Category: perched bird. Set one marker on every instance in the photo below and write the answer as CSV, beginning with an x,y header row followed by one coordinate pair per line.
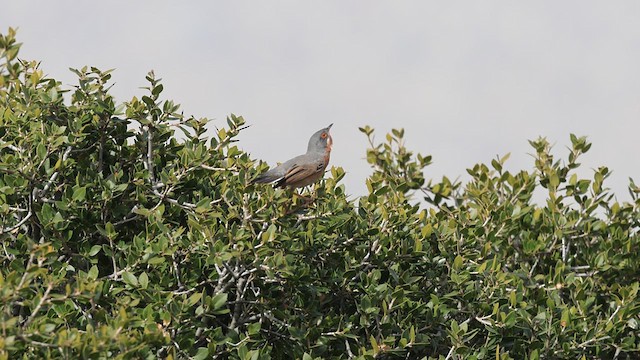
x,y
304,169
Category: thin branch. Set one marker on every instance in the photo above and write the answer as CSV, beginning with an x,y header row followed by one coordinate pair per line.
x,y
565,249
54,176
302,218
38,343
450,353
20,223
26,268
223,274
177,271
116,274
150,154
113,259
593,340
101,151
240,284
184,205
207,167
37,308
12,147
533,268
349,353
614,314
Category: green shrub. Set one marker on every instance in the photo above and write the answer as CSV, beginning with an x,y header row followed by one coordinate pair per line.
x,y
128,233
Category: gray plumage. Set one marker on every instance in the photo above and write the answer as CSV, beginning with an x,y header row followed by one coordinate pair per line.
x,y
304,169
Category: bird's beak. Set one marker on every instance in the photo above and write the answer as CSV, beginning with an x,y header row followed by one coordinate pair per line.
x,y
329,127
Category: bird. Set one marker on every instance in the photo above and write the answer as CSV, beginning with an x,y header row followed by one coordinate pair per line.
x,y
302,170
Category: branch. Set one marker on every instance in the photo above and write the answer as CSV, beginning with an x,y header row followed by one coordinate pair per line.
x,y
614,314
184,205
37,195
12,147
450,352
207,167
593,340
240,285
150,154
37,308
302,218
177,271
20,223
54,176
38,343
349,353
24,276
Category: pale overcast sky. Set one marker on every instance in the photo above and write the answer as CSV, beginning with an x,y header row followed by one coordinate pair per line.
x,y
467,80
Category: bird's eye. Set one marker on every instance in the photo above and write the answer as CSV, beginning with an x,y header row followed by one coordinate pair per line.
x,y
324,135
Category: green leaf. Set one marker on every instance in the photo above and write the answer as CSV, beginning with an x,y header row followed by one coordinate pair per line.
x,y
41,151
254,328
110,230
218,301
95,249
194,298
155,260
149,101
269,235
202,354
79,193
143,279
93,273
412,335
458,262
157,90
130,279
554,181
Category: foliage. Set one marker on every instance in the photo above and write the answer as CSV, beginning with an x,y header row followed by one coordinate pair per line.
x,y
128,233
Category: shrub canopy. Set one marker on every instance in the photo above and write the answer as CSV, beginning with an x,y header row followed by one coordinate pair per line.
x,y
128,232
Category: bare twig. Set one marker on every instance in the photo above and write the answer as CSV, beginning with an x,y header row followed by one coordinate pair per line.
x,y
240,284
12,147
101,149
450,353
149,162
26,268
223,274
37,343
20,223
349,353
177,271
54,176
37,194
302,218
116,274
590,341
533,268
614,314
184,205
113,259
207,167
43,299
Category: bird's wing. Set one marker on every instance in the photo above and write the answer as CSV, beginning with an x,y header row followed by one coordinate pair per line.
x,y
270,176
299,172
278,172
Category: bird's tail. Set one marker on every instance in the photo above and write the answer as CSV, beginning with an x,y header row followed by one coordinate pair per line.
x,y
265,178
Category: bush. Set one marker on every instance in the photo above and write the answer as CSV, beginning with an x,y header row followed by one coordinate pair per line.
x,y
128,233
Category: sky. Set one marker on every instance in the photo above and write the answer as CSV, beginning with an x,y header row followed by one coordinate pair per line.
x,y
468,81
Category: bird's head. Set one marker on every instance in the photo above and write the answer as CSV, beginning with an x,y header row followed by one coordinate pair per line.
x,y
321,141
